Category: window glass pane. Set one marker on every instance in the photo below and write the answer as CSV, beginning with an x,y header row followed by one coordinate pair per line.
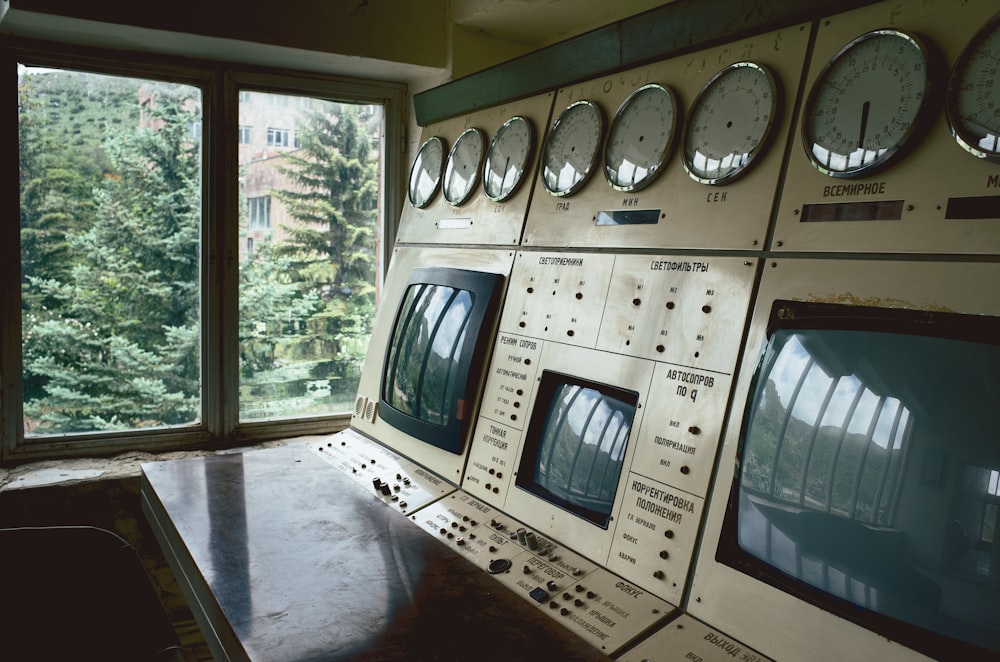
x,y
110,199
308,285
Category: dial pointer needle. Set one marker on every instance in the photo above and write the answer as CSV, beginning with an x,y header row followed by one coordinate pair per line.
x,y
865,109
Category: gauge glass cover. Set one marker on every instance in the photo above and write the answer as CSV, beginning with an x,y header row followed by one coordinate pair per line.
x,y
641,138
867,104
730,123
973,99
571,148
507,158
425,173
462,170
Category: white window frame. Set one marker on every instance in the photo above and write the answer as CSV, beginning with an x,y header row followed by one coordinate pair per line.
x,y
277,137
222,85
259,212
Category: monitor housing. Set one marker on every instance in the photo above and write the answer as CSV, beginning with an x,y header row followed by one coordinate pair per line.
x,y
867,477
439,340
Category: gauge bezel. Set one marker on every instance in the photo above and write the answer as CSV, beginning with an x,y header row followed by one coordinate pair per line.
x,y
422,153
668,148
909,138
762,143
574,107
502,196
961,135
472,133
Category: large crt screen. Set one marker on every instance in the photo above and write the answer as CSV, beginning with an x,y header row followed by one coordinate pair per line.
x,y
869,473
575,446
436,351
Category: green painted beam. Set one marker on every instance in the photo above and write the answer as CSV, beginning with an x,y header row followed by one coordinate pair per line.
x,y
673,29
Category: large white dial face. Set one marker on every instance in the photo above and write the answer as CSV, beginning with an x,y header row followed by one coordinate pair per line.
x,y
425,173
973,105
866,104
641,138
730,123
571,148
507,158
462,171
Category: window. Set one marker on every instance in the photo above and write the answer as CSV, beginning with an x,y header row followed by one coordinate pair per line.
x,y
259,214
277,137
131,334
110,277
299,353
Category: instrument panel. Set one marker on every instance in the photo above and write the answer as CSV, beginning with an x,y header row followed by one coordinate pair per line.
x,y
708,137
914,188
645,218
471,179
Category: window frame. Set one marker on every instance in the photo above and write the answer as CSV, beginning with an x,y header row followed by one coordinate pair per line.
x,y
222,84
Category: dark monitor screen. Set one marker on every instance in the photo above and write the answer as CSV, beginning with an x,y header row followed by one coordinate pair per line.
x,y
868,479
436,353
575,446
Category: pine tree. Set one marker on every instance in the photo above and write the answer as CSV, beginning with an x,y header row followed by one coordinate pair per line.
x,y
331,246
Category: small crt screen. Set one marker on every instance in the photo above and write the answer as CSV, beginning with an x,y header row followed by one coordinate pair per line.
x,y
869,478
437,349
575,446
423,365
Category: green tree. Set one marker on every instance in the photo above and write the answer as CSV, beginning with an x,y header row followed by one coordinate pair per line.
x,y
120,346
331,246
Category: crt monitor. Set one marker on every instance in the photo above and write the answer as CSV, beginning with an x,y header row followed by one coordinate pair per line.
x,y
868,474
575,445
436,352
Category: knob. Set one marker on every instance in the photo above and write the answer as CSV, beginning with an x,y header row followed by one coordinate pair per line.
x,y
498,566
551,585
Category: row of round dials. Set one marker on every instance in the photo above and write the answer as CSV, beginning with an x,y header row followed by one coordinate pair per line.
x,y
865,110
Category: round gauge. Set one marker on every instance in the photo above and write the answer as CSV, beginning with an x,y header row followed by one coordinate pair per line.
x,y
641,138
425,174
730,123
507,158
867,104
571,148
462,170
973,105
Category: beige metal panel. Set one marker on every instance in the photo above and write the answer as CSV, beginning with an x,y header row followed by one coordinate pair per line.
x,y
549,520
558,296
686,639
692,215
770,620
678,445
503,417
925,181
688,310
366,418
570,589
364,461
655,535
479,221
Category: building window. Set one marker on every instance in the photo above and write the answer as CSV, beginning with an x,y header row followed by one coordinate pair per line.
x,y
118,292
277,137
259,213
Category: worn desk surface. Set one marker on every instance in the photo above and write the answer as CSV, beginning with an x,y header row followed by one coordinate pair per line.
x,y
284,558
